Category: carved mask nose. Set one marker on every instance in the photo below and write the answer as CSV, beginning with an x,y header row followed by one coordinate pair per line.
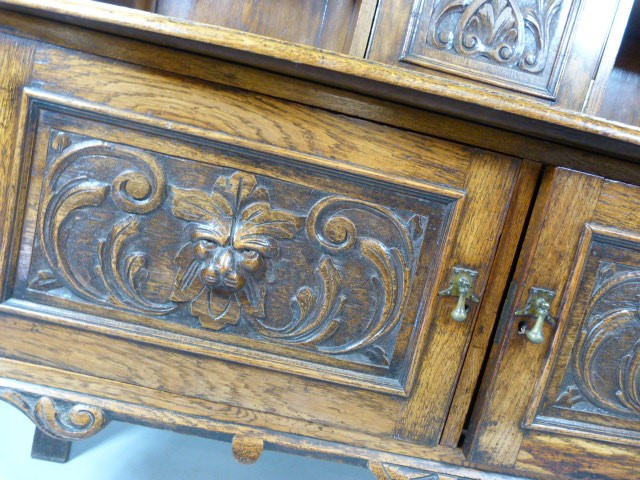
x,y
225,262
221,272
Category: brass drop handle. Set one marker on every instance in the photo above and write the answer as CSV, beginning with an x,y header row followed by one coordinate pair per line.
x,y
462,282
538,305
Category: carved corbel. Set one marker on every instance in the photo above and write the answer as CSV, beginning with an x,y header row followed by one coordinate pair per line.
x,y
59,419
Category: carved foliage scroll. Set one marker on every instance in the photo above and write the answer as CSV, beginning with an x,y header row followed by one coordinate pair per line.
x,y
518,35
606,359
225,250
514,33
58,419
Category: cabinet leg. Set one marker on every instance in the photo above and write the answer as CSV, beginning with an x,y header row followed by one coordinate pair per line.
x,y
49,448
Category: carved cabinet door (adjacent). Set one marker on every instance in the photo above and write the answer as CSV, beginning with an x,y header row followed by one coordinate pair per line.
x,y
240,258
561,398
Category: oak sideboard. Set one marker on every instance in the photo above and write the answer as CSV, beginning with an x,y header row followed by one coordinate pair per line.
x,y
404,234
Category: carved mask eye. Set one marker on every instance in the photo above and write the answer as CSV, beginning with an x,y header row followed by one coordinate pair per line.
x,y
250,260
204,247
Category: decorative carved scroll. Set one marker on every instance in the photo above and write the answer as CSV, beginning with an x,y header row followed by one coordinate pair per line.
x,y
56,418
513,33
387,471
139,188
606,357
354,260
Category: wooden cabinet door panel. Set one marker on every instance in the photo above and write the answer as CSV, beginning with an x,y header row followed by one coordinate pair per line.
x,y
522,45
221,245
583,243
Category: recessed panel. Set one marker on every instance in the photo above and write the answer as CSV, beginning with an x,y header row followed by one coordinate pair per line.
x,y
250,252
595,387
518,44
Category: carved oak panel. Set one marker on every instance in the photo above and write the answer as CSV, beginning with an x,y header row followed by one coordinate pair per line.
x,y
598,388
322,270
518,44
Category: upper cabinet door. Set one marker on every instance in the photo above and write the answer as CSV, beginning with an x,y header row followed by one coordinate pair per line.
x,y
280,263
521,45
562,394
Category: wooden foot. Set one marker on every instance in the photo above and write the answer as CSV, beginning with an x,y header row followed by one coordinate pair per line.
x,y
49,448
247,449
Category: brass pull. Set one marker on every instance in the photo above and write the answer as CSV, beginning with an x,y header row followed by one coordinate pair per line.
x,y
538,305
462,282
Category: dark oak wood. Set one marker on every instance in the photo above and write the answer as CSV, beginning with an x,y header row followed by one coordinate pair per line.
x,y
617,40
524,49
147,5
550,270
49,448
321,96
514,226
245,246
616,98
329,24
160,409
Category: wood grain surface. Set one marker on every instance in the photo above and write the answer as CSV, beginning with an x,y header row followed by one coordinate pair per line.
x,y
221,249
321,96
566,201
422,90
132,152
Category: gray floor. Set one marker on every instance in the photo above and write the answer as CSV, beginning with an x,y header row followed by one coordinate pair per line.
x,y
128,452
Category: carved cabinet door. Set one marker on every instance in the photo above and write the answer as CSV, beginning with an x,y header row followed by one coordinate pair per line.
x,y
561,398
226,256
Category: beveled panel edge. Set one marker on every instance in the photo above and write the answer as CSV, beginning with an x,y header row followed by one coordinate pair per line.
x,y
534,421
191,344
548,92
574,428
445,460
36,98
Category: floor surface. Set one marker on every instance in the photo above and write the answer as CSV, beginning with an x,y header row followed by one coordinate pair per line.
x,y
130,452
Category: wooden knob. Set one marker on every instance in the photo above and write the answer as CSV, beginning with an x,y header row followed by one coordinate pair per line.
x,y
247,450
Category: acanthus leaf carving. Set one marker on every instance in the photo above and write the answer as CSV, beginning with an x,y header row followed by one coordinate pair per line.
x,y
58,419
513,33
606,357
136,191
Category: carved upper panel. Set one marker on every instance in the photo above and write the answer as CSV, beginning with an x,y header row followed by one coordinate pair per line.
x,y
482,38
217,249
